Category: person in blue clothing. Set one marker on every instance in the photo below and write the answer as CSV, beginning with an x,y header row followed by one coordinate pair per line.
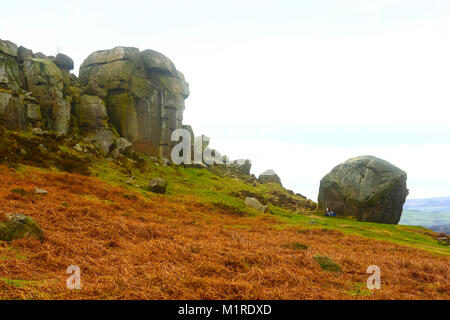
x,y
332,214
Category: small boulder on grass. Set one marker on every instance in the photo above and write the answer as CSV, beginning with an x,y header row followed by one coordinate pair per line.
x,y
157,185
327,264
40,191
255,204
19,226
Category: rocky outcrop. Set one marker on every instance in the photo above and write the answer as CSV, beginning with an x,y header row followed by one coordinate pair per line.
x,y
121,92
31,91
269,176
123,100
144,95
367,188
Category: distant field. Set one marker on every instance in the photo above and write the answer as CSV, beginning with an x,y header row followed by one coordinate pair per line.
x,y
425,219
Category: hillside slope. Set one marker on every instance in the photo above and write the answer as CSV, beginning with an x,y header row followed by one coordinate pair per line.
x,y
199,241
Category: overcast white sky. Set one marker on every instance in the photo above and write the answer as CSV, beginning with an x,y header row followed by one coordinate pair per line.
x,y
295,86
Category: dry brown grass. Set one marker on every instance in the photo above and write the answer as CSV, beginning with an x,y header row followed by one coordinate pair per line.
x,y
155,249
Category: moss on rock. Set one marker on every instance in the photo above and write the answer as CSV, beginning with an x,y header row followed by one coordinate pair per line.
x,y
20,226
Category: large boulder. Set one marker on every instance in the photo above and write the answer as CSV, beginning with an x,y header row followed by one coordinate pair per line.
x,y
63,62
269,176
366,188
144,95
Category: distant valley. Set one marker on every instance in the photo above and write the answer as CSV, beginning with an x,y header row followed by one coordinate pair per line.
x,y
432,213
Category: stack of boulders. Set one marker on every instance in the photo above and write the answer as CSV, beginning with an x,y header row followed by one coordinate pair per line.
x,y
120,93
124,100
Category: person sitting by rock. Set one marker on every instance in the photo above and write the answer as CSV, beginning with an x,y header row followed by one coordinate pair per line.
x,y
327,213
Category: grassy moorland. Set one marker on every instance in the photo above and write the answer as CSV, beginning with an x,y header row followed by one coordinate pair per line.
x,y
198,241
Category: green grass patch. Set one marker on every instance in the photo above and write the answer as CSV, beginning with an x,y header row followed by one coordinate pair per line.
x,y
296,245
358,289
327,264
218,193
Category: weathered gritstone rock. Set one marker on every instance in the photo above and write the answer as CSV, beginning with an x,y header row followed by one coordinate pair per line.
x,y
63,62
157,185
269,176
144,95
367,188
91,113
120,93
31,90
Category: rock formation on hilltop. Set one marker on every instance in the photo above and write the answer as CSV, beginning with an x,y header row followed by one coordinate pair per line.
x,y
121,92
269,176
124,100
367,188
144,94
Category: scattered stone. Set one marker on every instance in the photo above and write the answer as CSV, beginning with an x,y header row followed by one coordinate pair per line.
x,y
40,191
78,148
327,264
36,131
123,145
105,140
19,226
158,185
42,148
255,204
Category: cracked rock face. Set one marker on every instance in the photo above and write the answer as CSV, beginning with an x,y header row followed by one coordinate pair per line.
x,y
144,95
122,92
366,188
